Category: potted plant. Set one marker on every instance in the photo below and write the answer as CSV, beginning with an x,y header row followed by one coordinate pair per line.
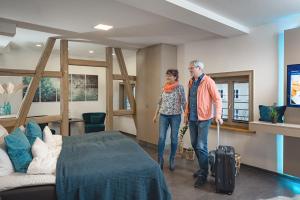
x,y
180,143
6,92
274,115
190,154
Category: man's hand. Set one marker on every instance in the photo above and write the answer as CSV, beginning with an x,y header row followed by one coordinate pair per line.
x,y
185,120
219,120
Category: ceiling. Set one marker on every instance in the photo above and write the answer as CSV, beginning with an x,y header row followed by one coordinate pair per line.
x,y
25,40
139,23
252,13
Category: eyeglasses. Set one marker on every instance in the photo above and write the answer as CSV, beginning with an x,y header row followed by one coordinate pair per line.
x,y
168,75
191,68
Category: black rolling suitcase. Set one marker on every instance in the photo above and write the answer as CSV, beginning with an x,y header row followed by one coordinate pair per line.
x,y
223,167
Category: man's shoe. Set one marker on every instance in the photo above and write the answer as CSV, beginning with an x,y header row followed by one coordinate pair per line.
x,y
200,182
197,173
172,164
161,163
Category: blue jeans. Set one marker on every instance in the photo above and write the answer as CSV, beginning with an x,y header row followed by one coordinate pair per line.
x,y
164,122
199,132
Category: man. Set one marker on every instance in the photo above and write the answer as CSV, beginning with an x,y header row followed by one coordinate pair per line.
x,y
202,95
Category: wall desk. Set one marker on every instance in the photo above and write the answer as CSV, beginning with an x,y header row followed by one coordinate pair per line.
x,y
288,158
291,130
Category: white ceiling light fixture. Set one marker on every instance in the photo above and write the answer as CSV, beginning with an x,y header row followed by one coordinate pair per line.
x,y
38,45
103,27
91,51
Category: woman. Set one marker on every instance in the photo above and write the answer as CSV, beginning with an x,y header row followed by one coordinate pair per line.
x,y
171,104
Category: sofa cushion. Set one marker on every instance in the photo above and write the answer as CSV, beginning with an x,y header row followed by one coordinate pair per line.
x,y
99,117
265,113
89,128
96,119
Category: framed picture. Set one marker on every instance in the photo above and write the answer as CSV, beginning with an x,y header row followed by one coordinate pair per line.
x,y
78,87
26,81
81,88
49,89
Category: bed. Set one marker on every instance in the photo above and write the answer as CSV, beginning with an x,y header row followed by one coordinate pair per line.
x,y
104,165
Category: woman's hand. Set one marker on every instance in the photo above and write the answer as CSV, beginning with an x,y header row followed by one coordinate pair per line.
x,y
154,119
185,120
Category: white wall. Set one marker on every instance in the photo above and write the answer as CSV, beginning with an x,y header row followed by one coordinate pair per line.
x,y
256,51
23,57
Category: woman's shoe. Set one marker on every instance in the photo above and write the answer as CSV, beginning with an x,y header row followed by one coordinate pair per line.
x,y
172,164
197,173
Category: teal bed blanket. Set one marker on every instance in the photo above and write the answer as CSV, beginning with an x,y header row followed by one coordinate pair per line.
x,y
107,166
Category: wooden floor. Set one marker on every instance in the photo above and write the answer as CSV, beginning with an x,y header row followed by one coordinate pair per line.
x,y
251,183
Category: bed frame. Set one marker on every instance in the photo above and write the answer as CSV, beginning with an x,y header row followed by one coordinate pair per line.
x,y
42,192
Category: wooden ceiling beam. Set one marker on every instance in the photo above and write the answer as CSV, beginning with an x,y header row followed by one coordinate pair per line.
x,y
90,63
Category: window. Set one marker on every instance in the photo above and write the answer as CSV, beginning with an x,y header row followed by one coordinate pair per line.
x,y
235,89
223,89
123,98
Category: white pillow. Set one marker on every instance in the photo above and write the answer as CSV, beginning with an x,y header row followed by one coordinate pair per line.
x,y
58,140
46,165
48,137
39,148
6,166
3,133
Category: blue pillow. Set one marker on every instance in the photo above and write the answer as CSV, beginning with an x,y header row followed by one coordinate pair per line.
x,y
265,113
33,131
19,150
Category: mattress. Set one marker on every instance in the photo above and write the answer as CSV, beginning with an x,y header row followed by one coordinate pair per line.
x,y
16,180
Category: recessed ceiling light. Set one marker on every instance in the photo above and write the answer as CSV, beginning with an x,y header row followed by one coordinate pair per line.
x,y
103,27
113,54
38,45
91,51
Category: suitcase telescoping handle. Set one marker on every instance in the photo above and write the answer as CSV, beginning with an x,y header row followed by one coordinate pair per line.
x,y
218,132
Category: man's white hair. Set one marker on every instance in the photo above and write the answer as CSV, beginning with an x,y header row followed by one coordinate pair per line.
x,y
197,63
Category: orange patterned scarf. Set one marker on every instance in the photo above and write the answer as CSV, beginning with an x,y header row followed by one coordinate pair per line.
x,y
170,87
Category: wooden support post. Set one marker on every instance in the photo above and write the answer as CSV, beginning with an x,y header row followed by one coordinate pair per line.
x,y
126,81
109,89
64,88
25,106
